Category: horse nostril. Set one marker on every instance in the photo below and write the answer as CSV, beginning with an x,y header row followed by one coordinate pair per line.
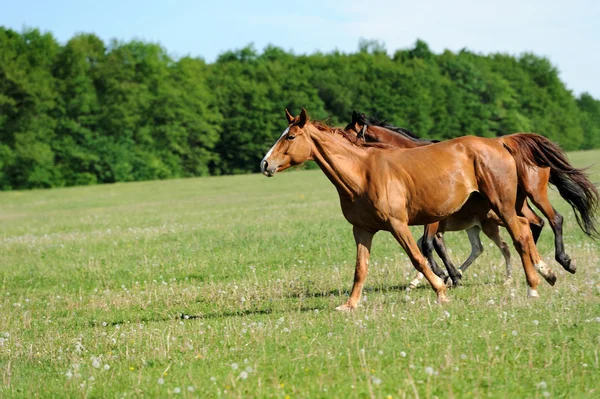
x,y
265,165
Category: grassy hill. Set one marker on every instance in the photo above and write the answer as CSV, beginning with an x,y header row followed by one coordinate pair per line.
x,y
225,286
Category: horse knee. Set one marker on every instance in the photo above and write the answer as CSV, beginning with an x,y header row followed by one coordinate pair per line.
x,y
479,248
521,242
558,220
504,247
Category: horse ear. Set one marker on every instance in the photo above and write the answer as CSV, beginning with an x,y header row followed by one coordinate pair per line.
x,y
361,134
289,117
303,118
354,116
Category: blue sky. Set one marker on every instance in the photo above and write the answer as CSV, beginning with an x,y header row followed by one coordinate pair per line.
x,y
567,32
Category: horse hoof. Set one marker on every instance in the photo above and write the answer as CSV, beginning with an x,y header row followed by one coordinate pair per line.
x,y
508,281
442,299
567,263
547,273
550,278
345,308
531,293
571,266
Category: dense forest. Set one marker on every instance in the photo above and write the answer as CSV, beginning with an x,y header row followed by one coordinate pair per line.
x,y
88,112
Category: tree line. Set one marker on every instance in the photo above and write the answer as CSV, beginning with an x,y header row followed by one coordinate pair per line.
x,y
88,112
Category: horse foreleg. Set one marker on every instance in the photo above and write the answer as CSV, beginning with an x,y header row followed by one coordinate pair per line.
x,y
363,239
402,234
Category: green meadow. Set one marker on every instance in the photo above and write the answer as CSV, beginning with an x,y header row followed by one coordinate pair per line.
x,y
226,287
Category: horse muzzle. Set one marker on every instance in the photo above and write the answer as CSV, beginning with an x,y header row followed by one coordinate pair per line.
x,y
267,169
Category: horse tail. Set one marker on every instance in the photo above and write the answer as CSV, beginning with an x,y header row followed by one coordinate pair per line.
x,y
531,149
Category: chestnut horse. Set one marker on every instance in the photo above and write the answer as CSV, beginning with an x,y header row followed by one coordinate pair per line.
x,y
572,185
386,188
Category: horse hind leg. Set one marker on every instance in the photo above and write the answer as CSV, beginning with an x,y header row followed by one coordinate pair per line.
x,y
491,229
497,186
440,247
518,228
536,189
556,223
425,245
476,247
536,223
415,281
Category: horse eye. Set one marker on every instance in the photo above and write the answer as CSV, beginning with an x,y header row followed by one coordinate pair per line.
x,y
290,137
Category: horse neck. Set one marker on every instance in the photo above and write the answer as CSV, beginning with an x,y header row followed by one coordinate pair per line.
x,y
338,158
387,136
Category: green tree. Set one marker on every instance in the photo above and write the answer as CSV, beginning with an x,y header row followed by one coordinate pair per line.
x,y
28,101
590,120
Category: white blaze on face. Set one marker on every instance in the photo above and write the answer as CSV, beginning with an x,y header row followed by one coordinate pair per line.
x,y
262,163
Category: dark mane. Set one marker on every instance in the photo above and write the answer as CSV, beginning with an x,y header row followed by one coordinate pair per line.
x,y
322,126
370,120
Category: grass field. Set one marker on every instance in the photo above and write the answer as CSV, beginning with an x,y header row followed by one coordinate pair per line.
x,y
226,287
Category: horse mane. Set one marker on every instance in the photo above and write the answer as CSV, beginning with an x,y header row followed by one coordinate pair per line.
x,y
372,121
324,127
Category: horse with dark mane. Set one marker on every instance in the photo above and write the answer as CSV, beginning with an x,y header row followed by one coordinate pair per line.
x,y
572,184
382,187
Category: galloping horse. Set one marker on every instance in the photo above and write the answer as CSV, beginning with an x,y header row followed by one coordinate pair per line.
x,y
572,185
387,188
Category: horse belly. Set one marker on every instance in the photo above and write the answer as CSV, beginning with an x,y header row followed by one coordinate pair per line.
x,y
438,192
436,206
471,214
459,222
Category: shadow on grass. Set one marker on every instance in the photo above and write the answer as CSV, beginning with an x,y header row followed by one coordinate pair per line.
x,y
307,294
339,293
210,315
